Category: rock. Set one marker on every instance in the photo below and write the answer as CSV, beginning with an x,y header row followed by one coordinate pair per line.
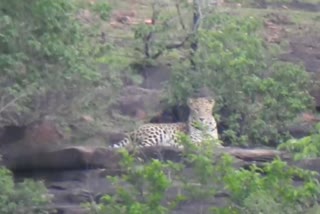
x,y
73,157
11,134
71,188
138,103
312,164
303,125
44,131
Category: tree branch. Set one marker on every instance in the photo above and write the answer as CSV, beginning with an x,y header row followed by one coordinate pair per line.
x,y
172,46
148,38
2,109
195,27
180,16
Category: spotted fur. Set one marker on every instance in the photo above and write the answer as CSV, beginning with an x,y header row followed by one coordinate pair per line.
x,y
200,123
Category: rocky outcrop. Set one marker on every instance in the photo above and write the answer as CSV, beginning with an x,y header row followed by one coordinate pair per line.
x,y
60,158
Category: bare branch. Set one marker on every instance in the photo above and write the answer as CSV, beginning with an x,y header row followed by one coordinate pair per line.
x,y
13,101
180,16
197,15
148,38
172,46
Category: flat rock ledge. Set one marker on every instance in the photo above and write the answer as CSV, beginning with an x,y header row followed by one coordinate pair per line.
x,y
86,157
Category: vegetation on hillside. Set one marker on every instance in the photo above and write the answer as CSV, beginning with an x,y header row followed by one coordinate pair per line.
x,y
51,57
270,188
27,197
258,96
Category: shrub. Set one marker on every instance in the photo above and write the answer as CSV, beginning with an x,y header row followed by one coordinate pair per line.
x,y
27,197
276,186
306,147
141,190
144,187
257,96
42,43
49,58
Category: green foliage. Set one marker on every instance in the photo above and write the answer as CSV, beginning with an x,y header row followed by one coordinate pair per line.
x,y
250,191
41,41
145,192
207,173
103,9
277,182
43,47
27,197
53,61
164,34
256,97
306,147
267,189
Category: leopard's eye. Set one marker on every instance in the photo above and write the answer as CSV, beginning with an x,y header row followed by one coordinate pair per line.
x,y
210,101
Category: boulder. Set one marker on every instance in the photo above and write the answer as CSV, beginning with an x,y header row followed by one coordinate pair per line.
x,y
60,158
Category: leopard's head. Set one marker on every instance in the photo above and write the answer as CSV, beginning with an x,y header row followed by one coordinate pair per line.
x,y
201,106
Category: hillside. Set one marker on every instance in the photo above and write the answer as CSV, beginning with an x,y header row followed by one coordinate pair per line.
x,y
75,81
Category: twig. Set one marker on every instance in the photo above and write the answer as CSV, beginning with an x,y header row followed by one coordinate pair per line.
x,y
171,46
180,16
11,102
148,38
196,24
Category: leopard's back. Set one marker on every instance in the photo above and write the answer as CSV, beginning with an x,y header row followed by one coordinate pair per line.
x,y
158,134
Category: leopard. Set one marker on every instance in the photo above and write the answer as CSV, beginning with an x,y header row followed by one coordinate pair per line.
x,y
200,124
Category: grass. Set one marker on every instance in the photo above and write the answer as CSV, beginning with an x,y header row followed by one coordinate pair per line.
x,y
122,37
143,11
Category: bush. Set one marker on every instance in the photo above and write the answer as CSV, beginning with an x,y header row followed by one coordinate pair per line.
x,y
49,57
144,187
257,97
43,48
27,197
304,148
43,44
249,189
145,192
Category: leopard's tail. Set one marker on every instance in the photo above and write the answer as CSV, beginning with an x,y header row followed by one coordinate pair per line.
x,y
121,144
